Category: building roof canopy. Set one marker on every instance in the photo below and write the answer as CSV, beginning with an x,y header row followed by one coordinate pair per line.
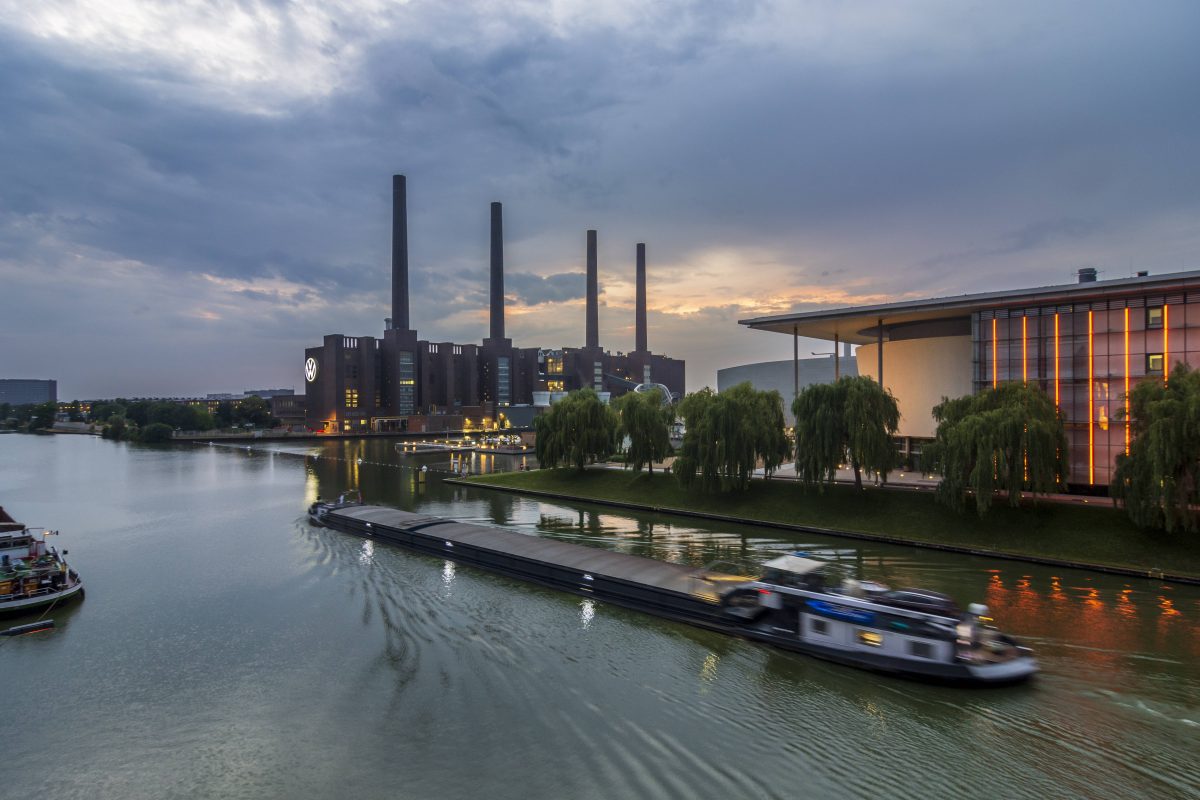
x,y
859,324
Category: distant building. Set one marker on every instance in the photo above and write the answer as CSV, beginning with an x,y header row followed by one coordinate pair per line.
x,y
21,391
289,408
267,394
401,382
787,377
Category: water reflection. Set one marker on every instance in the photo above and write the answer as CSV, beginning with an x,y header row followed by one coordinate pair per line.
x,y
587,612
1095,610
708,671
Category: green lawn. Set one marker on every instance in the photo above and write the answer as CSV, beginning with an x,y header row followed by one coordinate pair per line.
x,y
1100,535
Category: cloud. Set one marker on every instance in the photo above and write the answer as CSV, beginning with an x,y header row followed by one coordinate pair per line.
x,y
223,171
532,290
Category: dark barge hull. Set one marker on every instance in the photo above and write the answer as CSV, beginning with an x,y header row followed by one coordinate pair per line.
x,y
673,591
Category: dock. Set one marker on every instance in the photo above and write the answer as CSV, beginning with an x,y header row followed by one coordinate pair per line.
x,y
676,591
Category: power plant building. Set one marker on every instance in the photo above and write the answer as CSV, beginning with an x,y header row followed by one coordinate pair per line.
x,y
1085,344
401,382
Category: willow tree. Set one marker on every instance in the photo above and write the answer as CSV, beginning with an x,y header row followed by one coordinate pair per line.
x,y
850,421
1159,481
577,430
727,435
1008,439
645,418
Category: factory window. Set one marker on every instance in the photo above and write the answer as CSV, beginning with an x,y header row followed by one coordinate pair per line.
x,y
352,398
503,381
554,386
406,400
1154,363
554,365
1154,316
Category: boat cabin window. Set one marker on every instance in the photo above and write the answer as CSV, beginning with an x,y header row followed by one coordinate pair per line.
x,y
920,649
818,626
870,638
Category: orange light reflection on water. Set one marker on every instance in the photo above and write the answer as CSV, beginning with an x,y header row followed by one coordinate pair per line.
x,y
1084,616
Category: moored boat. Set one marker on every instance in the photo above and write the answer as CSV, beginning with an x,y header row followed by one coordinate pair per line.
x,y
32,575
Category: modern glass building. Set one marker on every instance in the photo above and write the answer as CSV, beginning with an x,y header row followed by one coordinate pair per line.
x,y
1085,344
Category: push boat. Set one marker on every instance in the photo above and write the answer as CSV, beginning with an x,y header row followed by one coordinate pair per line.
x,y
798,603
808,605
32,575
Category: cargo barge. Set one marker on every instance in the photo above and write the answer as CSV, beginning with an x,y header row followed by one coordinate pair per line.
x,y
798,604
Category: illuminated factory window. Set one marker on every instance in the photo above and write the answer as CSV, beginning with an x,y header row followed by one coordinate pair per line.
x,y
554,365
1154,316
554,386
352,398
1154,363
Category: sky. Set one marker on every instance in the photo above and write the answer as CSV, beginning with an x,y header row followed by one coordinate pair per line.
x,y
191,193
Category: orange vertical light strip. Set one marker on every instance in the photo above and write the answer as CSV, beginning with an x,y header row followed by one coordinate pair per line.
x,y
1127,381
995,351
1056,361
1166,361
1025,349
1091,407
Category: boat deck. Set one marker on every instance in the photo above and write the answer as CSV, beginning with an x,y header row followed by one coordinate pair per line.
x,y
554,562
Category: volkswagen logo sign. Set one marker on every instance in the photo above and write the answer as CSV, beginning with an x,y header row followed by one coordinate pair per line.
x,y
310,370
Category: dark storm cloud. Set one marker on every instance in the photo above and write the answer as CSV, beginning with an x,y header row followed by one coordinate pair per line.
x,y
534,290
971,146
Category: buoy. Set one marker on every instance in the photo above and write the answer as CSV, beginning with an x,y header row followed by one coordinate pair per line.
x,y
33,627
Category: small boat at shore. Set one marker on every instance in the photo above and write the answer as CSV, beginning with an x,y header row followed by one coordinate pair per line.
x,y
32,575
421,448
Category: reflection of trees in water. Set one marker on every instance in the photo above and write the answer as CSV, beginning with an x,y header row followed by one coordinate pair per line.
x,y
500,505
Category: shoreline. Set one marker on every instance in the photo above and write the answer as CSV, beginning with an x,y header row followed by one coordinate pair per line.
x,y
488,482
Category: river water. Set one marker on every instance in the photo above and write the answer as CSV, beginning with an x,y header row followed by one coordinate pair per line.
x,y
226,649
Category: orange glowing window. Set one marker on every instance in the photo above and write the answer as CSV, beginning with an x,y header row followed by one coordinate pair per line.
x,y
1091,404
1025,349
1056,360
995,362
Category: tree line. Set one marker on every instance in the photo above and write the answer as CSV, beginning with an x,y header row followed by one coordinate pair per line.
x,y
140,420
157,420
1003,444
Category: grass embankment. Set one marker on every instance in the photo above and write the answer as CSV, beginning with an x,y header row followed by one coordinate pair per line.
x,y
1083,535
